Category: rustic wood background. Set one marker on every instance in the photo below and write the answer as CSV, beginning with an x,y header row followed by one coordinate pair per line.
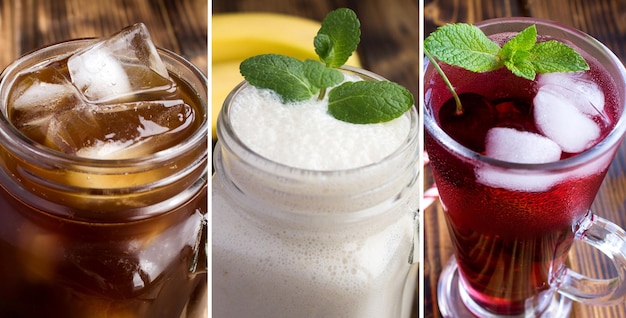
x,y
180,26
606,21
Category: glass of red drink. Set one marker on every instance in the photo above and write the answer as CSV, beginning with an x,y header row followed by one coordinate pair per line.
x,y
513,222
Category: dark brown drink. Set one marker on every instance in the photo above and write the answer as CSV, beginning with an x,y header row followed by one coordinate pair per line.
x,y
102,201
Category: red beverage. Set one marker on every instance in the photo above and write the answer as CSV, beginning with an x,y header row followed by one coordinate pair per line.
x,y
510,241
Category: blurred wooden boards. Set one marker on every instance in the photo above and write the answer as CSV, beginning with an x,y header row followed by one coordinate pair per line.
x,y
180,26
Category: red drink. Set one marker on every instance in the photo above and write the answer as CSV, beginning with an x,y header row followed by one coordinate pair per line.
x,y
510,240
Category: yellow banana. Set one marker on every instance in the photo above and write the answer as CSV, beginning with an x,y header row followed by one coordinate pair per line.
x,y
237,36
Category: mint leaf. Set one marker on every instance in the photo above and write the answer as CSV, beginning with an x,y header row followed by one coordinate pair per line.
x,y
366,102
282,74
338,37
521,68
523,41
515,53
464,45
295,80
321,76
553,56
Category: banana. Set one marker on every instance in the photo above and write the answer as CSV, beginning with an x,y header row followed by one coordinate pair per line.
x,y
238,36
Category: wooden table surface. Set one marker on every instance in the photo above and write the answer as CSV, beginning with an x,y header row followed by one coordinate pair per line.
x,y
606,21
180,26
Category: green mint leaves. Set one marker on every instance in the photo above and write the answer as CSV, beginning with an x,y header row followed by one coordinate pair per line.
x,y
368,102
463,45
468,47
338,37
294,80
283,74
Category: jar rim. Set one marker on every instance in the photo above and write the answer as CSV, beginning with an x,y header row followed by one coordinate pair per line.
x,y
17,142
226,131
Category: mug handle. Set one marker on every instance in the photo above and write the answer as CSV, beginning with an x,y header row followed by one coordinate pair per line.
x,y
609,239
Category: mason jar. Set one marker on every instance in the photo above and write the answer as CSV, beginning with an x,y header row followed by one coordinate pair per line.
x,y
84,237
294,242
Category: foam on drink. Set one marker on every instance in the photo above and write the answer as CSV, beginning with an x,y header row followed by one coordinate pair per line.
x,y
338,274
304,135
300,267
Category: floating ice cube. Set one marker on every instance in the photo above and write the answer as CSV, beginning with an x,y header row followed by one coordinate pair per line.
x,y
557,117
512,145
508,144
127,63
140,128
517,180
583,93
38,95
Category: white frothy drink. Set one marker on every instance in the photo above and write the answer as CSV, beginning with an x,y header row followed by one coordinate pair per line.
x,y
331,239
305,135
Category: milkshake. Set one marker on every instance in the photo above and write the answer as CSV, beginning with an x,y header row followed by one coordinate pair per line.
x,y
314,192
312,215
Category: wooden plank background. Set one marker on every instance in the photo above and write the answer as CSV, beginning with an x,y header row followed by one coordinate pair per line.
x,y
180,26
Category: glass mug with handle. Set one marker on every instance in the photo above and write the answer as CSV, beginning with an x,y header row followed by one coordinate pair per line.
x,y
513,221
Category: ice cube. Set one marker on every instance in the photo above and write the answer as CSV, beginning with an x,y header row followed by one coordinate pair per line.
x,y
125,64
140,128
509,144
38,95
579,90
517,180
557,117
512,145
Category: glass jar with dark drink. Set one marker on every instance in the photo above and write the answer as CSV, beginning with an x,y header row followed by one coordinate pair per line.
x,y
103,199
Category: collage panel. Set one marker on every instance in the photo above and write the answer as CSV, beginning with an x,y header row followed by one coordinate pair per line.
x,y
315,203
511,194
104,158
524,183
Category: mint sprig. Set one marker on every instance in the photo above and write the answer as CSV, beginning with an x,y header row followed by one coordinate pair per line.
x,y
338,37
295,80
466,46
367,102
